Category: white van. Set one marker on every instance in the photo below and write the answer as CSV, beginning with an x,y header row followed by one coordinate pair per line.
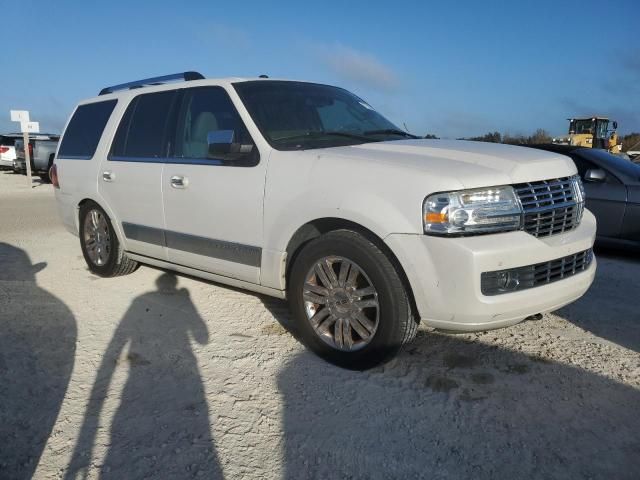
x,y
303,191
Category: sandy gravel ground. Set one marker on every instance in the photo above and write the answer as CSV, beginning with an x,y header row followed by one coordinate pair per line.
x,y
161,376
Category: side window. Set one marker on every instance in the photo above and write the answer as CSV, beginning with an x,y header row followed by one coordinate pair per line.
x,y
7,141
142,130
85,128
210,130
583,165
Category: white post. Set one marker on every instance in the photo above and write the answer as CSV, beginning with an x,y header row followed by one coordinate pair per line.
x,y
27,157
26,126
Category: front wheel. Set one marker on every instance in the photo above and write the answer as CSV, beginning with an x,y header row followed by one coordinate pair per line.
x,y
100,246
349,301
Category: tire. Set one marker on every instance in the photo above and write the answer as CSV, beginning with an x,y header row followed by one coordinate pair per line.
x,y
321,313
45,176
103,253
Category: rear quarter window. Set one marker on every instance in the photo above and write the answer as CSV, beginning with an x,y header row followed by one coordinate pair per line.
x,y
85,128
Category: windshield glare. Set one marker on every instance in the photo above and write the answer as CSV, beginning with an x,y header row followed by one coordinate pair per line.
x,y
298,115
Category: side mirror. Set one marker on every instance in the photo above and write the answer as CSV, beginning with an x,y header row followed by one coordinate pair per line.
x,y
596,175
615,125
220,142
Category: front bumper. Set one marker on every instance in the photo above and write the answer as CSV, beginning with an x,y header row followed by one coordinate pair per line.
x,y
445,273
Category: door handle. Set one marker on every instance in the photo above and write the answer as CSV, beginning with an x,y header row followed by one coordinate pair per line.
x,y
178,181
108,176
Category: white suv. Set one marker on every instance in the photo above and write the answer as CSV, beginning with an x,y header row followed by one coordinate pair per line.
x,y
303,191
8,149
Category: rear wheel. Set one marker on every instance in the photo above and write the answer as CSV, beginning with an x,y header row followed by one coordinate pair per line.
x,y
45,176
350,304
100,246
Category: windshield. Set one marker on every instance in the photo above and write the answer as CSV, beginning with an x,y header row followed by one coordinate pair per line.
x,y
581,126
298,115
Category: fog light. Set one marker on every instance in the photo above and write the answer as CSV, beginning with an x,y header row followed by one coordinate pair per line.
x,y
501,281
538,274
507,280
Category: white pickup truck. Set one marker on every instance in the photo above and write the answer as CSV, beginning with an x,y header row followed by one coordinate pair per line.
x,y
303,191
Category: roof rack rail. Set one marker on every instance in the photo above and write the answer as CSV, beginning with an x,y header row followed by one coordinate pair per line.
x,y
185,76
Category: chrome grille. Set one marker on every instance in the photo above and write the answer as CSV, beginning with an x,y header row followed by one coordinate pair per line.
x,y
548,272
551,206
521,278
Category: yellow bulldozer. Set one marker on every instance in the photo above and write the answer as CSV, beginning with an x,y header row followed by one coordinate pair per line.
x,y
593,132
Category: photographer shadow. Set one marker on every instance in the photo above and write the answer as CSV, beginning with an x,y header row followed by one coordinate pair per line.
x,y
38,336
161,427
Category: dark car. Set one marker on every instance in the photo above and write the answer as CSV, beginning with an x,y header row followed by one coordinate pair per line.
x,y
612,186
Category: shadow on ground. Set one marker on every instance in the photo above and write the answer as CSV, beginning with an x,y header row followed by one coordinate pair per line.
x,y
453,408
450,409
161,427
611,307
36,179
37,349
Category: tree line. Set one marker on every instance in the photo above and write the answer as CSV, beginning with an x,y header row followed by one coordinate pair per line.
x,y
630,141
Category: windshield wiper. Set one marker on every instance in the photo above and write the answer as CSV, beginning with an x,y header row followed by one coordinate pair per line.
x,y
322,133
389,131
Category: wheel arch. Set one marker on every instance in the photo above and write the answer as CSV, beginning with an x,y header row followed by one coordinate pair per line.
x,y
116,225
315,228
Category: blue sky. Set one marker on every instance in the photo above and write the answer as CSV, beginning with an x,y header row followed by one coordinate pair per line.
x,y
456,68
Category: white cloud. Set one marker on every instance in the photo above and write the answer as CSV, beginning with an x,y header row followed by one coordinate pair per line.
x,y
359,67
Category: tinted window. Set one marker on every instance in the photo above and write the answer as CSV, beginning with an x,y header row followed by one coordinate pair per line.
x,y
83,133
141,133
611,162
207,113
7,141
583,165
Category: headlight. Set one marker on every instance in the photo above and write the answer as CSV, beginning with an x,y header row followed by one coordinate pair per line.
x,y
482,210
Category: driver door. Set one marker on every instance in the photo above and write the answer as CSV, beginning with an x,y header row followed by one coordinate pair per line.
x,y
213,202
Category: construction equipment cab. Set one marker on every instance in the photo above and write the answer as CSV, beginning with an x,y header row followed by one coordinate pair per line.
x,y
591,132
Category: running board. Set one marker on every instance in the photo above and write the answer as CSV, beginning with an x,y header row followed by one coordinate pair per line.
x,y
194,272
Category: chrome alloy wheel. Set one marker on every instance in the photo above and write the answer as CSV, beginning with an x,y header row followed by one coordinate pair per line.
x,y
97,239
341,303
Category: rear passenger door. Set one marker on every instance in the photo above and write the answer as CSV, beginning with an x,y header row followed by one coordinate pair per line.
x,y
130,178
213,201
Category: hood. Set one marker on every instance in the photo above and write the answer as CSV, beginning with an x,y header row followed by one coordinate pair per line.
x,y
472,164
